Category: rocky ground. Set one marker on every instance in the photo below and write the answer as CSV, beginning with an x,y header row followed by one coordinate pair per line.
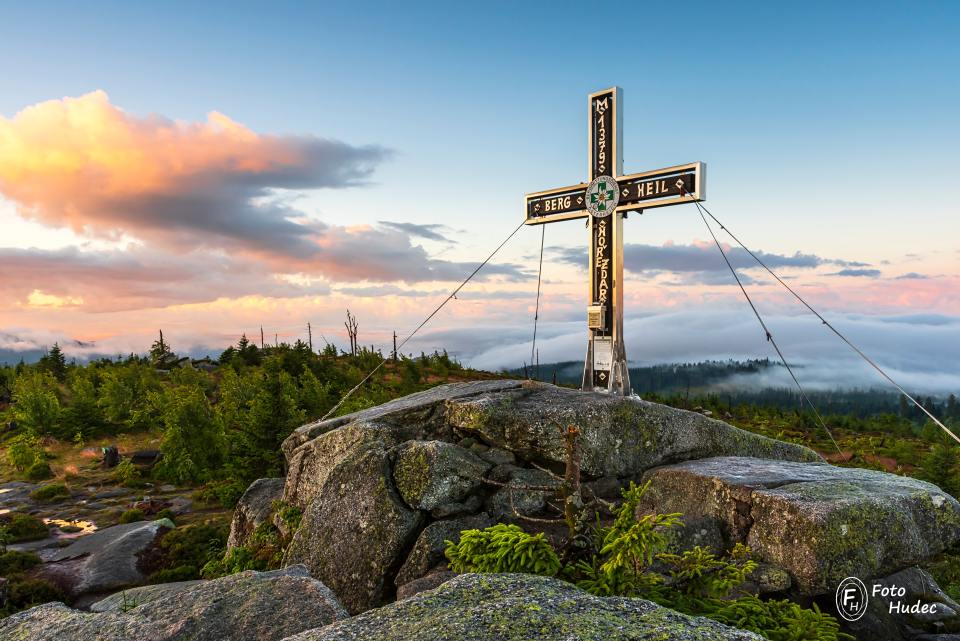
x,y
381,490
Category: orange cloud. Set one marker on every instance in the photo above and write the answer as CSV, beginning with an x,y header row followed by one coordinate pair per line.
x,y
86,164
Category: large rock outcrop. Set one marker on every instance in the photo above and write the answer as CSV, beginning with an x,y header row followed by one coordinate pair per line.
x,y
819,522
429,474
494,607
369,482
254,606
104,561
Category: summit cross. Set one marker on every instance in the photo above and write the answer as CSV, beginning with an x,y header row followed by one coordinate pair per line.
x,y
605,202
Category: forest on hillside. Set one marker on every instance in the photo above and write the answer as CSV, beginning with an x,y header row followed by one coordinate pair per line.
x,y
220,422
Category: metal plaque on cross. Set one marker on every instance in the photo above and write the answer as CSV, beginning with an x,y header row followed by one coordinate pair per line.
x,y
605,200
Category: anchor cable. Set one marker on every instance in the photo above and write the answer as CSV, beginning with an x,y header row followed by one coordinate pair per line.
x,y
830,326
446,300
766,331
536,312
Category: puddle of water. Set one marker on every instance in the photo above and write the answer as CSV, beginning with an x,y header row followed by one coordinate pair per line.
x,y
5,490
4,511
74,529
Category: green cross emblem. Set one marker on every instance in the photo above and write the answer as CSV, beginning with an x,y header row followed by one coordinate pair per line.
x,y
602,196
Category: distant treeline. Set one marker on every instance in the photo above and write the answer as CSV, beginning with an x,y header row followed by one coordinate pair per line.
x,y
719,379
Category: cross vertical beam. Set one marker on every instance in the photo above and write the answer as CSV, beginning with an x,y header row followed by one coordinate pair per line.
x,y
605,365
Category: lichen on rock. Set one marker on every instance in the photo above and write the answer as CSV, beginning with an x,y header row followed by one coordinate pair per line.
x,y
431,473
518,607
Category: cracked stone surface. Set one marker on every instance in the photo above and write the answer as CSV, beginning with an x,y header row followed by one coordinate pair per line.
x,y
356,532
819,522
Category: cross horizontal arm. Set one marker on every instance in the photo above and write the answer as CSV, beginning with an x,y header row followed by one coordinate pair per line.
x,y
552,205
646,190
662,187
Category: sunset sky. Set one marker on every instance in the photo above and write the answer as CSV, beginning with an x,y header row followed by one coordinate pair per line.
x,y
208,169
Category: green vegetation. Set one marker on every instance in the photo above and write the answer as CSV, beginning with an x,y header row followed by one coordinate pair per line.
x,y
946,571
24,451
219,423
132,516
502,548
629,557
184,551
50,492
22,527
126,473
290,515
24,592
262,551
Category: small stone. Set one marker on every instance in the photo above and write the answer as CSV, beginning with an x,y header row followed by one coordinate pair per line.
x,y
471,505
479,448
496,456
424,583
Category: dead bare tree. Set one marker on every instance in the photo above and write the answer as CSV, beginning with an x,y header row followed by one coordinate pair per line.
x,y
351,325
576,511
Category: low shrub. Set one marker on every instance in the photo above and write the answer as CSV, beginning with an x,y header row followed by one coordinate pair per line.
x,y
184,551
224,493
502,548
238,559
630,558
778,620
946,570
24,527
290,515
127,474
39,471
132,516
50,492
262,551
24,592
24,451
13,562
172,575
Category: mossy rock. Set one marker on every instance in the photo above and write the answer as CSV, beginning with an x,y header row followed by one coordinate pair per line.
x,y
819,522
432,473
521,607
619,437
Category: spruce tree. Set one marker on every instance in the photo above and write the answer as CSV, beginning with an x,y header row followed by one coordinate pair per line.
x,y
55,362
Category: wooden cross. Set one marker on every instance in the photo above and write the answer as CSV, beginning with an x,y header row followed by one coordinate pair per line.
x,y
605,201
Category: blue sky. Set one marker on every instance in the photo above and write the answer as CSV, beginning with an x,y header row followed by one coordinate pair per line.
x,y
828,128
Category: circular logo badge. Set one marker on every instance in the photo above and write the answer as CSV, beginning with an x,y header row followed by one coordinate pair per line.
x,y
603,194
851,598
